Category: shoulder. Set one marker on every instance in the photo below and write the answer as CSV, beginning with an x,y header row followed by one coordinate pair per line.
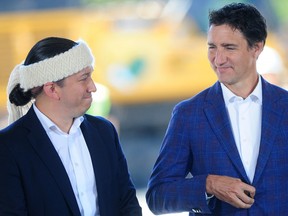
x,y
13,130
273,93
27,123
14,139
98,122
197,100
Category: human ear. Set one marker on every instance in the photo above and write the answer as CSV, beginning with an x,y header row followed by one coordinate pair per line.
x,y
258,48
51,90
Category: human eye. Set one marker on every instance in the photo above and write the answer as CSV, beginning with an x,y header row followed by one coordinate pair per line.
x,y
84,77
211,46
230,47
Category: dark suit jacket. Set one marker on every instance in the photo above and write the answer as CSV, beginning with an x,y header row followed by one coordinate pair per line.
x,y
34,182
199,140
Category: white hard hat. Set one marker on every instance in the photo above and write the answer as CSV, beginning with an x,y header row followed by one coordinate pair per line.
x,y
269,62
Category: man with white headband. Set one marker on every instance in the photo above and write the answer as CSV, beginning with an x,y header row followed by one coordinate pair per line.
x,y
54,158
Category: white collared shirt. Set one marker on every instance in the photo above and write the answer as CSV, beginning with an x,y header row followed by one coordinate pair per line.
x,y
245,117
75,156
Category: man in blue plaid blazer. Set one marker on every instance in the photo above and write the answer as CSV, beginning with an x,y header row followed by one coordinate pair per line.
x,y
224,152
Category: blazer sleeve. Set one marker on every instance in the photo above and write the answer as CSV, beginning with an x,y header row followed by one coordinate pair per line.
x,y
12,200
116,191
129,203
169,188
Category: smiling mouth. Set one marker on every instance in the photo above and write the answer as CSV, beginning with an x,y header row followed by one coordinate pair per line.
x,y
88,97
222,69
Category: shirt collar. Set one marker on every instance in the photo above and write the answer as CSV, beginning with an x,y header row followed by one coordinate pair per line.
x,y
255,96
51,126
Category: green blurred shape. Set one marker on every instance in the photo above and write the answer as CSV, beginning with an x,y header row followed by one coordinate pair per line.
x,y
101,104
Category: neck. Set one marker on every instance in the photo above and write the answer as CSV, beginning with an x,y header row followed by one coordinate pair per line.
x,y
244,89
56,116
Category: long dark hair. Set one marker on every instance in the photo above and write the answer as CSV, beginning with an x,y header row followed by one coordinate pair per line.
x,y
45,48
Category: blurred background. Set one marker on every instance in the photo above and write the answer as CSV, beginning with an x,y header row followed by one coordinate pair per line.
x,y
150,54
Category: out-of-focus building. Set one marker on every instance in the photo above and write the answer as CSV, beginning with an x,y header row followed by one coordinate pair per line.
x,y
147,55
29,5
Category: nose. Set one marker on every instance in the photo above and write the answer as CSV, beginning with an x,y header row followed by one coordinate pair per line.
x,y
92,87
220,58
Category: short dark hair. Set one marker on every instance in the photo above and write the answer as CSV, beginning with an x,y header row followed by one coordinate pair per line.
x,y
44,49
243,17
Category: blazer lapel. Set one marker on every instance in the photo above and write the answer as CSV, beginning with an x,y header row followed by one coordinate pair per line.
x,y
218,118
272,113
44,148
99,155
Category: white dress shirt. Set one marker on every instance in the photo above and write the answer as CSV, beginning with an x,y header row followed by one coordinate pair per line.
x,y
75,156
245,117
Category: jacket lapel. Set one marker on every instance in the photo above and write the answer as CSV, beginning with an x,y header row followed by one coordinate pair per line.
x,y
46,151
99,155
272,112
218,119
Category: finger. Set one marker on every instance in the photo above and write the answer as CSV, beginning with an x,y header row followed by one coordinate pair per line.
x,y
245,197
240,201
252,193
247,193
249,190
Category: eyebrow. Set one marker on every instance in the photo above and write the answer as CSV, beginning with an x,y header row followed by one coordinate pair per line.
x,y
227,44
86,73
224,45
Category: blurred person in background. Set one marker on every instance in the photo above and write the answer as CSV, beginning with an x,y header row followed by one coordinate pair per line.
x,y
270,66
101,105
55,159
224,152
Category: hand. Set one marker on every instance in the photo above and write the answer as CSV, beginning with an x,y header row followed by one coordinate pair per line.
x,y
231,190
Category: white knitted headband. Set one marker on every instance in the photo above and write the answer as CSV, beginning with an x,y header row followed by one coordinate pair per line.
x,y
48,70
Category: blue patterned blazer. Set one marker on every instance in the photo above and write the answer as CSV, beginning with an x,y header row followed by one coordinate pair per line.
x,y
199,141
34,182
